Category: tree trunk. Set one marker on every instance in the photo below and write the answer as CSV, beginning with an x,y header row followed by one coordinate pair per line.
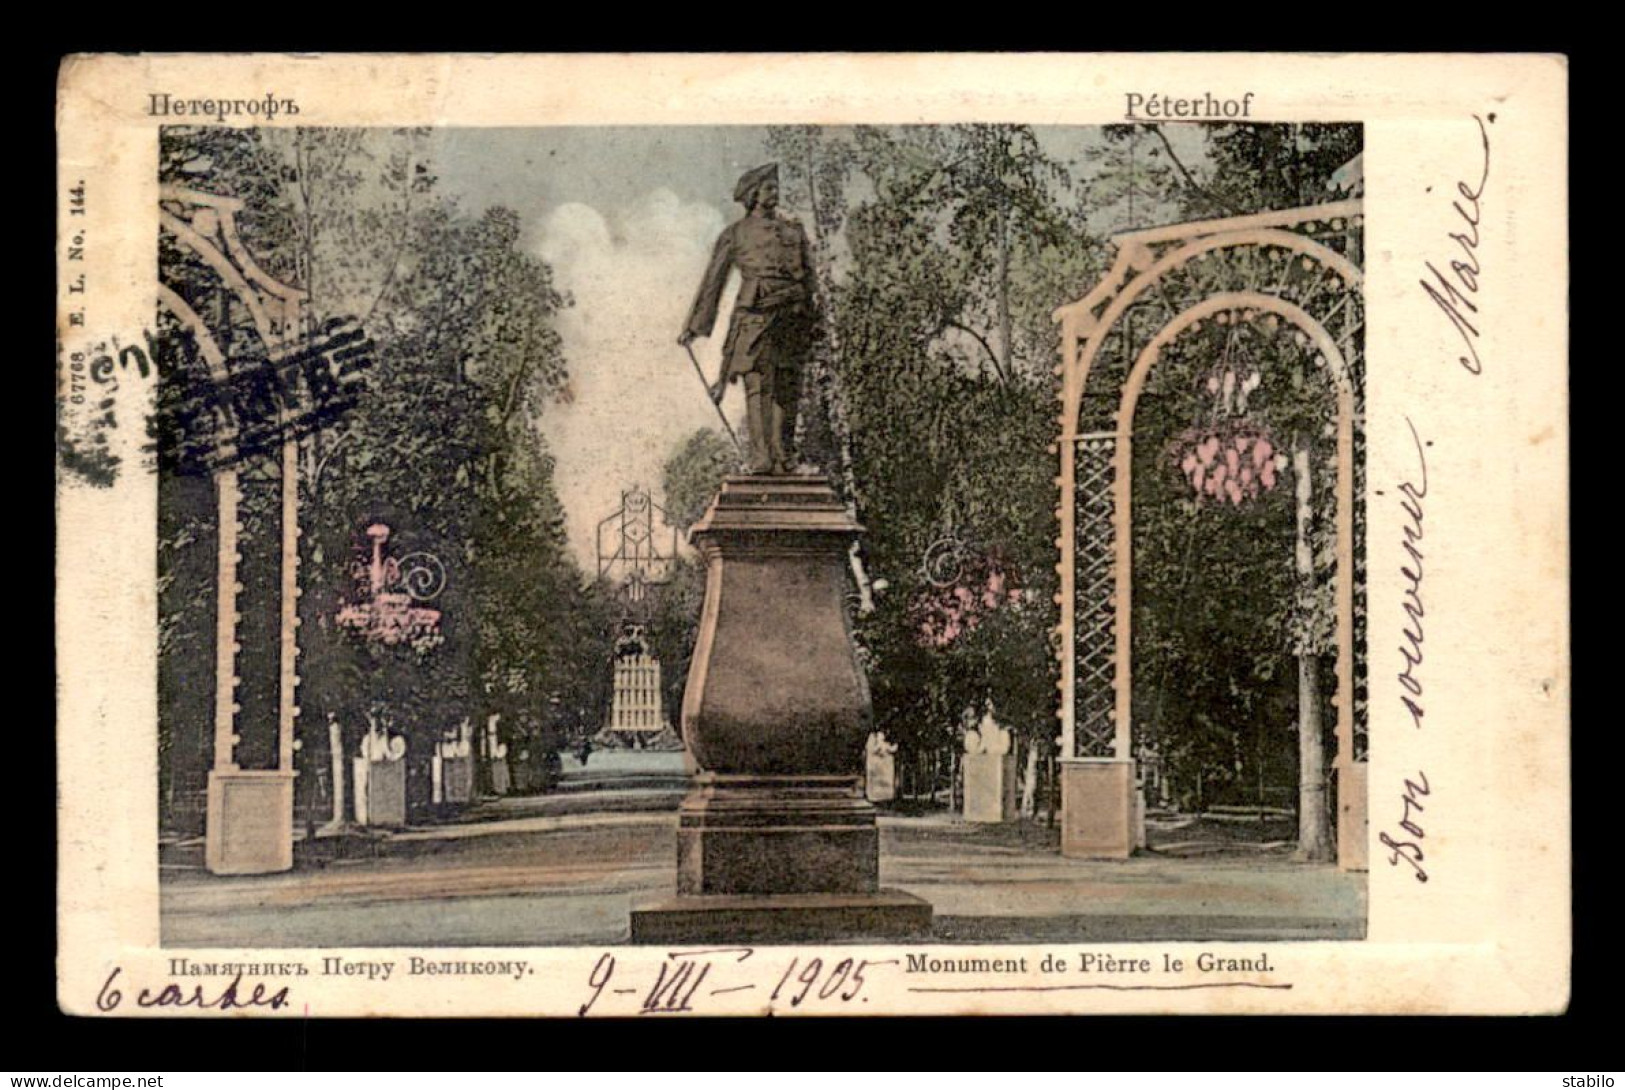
x,y
1314,820
1314,826
825,350
1006,323
1051,788
1258,757
1029,783
338,756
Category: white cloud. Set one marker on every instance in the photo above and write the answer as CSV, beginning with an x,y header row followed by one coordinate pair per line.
x,y
632,272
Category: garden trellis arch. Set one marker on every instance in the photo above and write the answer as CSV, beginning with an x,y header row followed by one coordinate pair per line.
x,y
249,817
1297,270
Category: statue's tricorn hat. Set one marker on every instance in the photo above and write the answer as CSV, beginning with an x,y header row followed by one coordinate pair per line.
x,y
753,178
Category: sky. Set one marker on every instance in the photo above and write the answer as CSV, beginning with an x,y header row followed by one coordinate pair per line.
x,y
626,218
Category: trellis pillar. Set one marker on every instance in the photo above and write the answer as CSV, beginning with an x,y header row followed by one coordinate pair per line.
x,y
1101,815
249,817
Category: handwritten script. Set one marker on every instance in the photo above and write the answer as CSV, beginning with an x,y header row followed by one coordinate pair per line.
x,y
172,994
685,977
1412,492
1456,293
1410,851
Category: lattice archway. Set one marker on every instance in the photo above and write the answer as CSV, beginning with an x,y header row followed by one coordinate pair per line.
x,y
1299,269
249,816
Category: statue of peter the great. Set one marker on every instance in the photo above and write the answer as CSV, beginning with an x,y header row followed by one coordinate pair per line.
x,y
770,334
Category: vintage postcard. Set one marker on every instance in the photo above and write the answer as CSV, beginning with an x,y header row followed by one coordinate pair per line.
x,y
718,535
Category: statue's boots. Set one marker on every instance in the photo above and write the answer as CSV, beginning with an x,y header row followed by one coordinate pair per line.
x,y
775,437
758,406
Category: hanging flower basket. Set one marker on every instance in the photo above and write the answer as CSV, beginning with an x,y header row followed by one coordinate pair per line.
x,y
1231,463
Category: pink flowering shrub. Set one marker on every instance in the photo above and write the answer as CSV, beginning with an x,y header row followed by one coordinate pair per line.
x,y
944,614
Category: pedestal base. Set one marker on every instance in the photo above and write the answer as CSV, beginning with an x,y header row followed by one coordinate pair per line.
x,y
776,842
783,918
380,793
769,835
1352,830
990,787
457,776
249,826
1098,808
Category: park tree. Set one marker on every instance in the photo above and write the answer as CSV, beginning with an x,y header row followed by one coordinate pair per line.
x,y
452,430
1233,594
1134,179
1241,169
1234,570
690,479
944,250
444,447
693,474
1258,168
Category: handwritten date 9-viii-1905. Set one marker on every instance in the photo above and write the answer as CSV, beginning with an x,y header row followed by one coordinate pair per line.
x,y
689,975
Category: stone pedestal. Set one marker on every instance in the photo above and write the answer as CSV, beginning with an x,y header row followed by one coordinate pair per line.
x,y
990,788
990,774
457,779
806,917
1352,830
250,822
880,770
380,792
777,834
1098,808
776,841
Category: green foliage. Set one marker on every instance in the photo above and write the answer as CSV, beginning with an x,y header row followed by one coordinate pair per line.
x,y
1220,610
1133,181
1248,168
950,250
693,474
672,624
1260,167
444,447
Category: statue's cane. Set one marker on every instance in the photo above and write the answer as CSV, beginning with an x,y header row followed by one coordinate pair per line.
x,y
700,371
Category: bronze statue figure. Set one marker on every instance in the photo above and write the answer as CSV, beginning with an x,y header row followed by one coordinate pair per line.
x,y
770,334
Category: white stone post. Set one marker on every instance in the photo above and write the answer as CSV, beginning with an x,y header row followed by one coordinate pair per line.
x,y
335,749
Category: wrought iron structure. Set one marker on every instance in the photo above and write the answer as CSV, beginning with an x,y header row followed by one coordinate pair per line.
x,y
945,560
629,552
